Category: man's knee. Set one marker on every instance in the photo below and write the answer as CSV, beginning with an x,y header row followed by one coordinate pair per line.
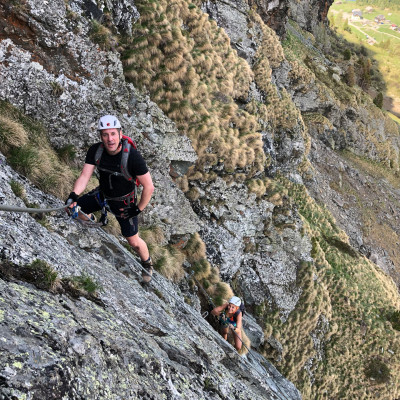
x,y
134,242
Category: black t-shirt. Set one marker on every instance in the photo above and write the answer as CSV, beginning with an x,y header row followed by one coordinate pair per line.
x,y
117,185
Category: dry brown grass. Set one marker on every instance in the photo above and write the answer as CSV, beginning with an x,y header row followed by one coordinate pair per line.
x,y
195,248
166,259
186,60
25,144
12,134
245,345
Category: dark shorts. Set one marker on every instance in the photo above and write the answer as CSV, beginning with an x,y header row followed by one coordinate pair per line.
x,y
89,204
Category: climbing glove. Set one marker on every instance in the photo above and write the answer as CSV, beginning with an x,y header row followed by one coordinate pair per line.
x,y
130,212
72,198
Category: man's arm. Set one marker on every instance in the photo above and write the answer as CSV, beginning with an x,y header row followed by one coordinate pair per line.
x,y
148,189
83,180
217,310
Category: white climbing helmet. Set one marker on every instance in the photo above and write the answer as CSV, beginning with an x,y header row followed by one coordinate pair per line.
x,y
108,122
235,301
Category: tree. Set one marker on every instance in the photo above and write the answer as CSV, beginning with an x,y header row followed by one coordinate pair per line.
x,y
350,76
378,100
347,54
346,26
385,44
365,73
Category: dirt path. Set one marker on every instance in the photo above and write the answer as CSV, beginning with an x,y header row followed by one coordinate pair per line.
x,y
355,26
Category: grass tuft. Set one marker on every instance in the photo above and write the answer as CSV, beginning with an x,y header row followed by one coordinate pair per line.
x,y
85,283
25,144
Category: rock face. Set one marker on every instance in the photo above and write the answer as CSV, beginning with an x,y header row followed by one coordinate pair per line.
x,y
129,343
58,92
309,13
275,13
373,228
244,238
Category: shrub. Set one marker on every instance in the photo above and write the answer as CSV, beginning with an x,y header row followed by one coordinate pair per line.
x,y
17,188
221,293
42,275
195,248
86,283
23,159
201,269
67,153
167,259
378,100
25,144
170,263
56,89
377,370
350,76
347,54
174,51
394,319
12,134
102,36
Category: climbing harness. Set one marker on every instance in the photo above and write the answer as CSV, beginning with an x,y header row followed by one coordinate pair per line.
x,y
127,144
226,321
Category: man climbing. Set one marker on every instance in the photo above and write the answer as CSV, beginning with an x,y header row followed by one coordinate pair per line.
x,y
119,166
230,317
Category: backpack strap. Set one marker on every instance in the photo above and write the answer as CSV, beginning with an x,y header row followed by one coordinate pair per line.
x,y
125,155
98,154
126,148
127,144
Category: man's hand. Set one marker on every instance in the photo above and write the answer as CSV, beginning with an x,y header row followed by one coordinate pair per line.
x,y
130,212
72,198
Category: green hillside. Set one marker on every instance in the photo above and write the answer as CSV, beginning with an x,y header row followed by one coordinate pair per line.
x,y
381,40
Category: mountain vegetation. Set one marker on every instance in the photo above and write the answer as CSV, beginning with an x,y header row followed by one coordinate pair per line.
x,y
379,41
253,121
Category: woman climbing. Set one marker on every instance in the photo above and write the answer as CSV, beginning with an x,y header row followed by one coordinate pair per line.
x,y
230,317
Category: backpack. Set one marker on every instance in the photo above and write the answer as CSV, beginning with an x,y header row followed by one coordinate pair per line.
x,y
127,143
242,308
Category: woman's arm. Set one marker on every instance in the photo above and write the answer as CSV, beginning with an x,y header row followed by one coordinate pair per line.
x,y
239,323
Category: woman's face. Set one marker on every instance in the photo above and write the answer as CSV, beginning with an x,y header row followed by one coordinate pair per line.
x,y
232,308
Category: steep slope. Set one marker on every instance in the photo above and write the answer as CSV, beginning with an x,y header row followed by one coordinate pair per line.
x,y
263,119
59,341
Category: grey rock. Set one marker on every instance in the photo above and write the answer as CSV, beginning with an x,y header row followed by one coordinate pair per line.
x,y
253,331
137,344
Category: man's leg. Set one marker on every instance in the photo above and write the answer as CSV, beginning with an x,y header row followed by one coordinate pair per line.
x,y
140,246
129,229
88,205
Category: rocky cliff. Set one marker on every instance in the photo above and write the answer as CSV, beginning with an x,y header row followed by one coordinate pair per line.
x,y
254,143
